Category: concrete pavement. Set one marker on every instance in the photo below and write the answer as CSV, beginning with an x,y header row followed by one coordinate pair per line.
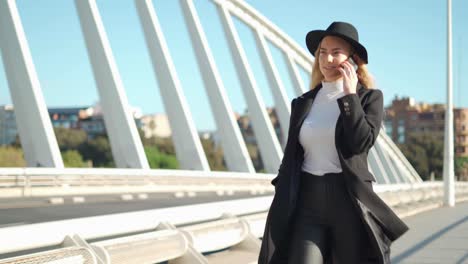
x,y
438,236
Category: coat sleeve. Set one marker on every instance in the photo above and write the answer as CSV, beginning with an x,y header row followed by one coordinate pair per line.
x,y
361,123
283,161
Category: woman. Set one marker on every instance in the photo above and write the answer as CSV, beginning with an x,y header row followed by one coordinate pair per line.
x,y
324,209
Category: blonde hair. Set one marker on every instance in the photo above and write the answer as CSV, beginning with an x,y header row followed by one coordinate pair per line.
x,y
364,76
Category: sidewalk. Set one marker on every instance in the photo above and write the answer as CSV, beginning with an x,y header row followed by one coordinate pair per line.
x,y
438,236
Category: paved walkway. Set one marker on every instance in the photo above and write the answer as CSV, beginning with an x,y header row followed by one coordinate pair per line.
x,y
437,236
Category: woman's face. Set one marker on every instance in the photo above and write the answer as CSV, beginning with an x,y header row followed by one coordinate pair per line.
x,y
332,52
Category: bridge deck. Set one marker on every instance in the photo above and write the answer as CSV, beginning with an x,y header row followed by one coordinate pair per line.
x,y
436,236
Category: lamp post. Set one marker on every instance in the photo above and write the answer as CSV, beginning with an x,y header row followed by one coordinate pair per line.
x,y
449,184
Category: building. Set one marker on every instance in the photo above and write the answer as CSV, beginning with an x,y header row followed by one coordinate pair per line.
x,y
405,117
88,118
8,129
156,125
461,131
69,117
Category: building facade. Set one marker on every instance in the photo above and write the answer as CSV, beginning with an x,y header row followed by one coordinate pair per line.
x,y
8,129
405,117
89,119
156,125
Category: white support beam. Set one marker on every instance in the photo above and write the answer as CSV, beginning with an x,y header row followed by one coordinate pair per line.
x,y
267,140
32,118
254,19
397,164
282,105
234,148
400,157
377,167
186,141
294,75
386,162
124,139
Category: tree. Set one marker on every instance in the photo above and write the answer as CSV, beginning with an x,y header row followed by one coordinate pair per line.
x,y
69,138
158,160
73,159
461,168
417,156
11,157
425,153
99,151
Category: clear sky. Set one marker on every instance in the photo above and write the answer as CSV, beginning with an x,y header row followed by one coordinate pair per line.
x,y
405,39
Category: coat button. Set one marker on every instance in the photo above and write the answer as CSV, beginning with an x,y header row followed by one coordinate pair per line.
x,y
346,103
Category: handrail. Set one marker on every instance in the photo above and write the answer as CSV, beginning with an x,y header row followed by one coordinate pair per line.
x,y
64,255
31,182
196,222
53,233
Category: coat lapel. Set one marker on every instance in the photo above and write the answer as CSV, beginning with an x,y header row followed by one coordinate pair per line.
x,y
304,103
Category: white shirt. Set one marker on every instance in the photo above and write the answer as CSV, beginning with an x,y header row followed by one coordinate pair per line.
x,y
317,134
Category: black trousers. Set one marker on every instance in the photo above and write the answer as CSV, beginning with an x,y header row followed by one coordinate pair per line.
x,y
326,225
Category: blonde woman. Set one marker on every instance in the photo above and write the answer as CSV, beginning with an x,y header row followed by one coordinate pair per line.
x,y
324,209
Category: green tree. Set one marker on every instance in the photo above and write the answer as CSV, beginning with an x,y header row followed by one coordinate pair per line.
x,y
425,153
73,159
165,145
158,160
461,168
69,138
417,156
98,150
11,157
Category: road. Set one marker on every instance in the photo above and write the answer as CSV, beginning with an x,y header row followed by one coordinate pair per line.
x,y
37,210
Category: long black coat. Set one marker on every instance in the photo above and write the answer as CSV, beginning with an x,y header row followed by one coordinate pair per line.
x,y
357,128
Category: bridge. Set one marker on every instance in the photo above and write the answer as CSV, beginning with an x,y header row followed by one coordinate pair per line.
x,y
133,214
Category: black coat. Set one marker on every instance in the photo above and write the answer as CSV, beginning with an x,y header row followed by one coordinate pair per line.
x,y
357,128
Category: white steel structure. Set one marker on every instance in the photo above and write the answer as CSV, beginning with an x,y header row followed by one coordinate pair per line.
x,y
187,144
386,162
34,126
235,151
125,142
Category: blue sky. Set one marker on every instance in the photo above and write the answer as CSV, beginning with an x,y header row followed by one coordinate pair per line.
x,y
406,42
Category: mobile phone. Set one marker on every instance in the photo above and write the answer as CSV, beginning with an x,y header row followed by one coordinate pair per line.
x,y
353,63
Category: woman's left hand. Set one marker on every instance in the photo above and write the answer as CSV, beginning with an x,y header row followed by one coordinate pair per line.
x,y
350,78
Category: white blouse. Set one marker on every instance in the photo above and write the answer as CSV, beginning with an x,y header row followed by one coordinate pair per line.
x,y
317,134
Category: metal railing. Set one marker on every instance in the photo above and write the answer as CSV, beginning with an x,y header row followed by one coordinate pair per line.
x,y
30,182
185,233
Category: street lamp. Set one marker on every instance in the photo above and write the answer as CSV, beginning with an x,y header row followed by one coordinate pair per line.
x,y
449,184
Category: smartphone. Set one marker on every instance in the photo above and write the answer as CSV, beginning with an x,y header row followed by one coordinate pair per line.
x,y
353,63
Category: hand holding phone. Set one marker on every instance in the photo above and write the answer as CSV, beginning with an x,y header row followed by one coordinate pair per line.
x,y
350,79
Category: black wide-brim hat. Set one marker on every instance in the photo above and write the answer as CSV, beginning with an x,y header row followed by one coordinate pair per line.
x,y
343,30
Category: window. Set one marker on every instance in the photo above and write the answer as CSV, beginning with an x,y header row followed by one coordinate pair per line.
x,y
388,127
401,132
